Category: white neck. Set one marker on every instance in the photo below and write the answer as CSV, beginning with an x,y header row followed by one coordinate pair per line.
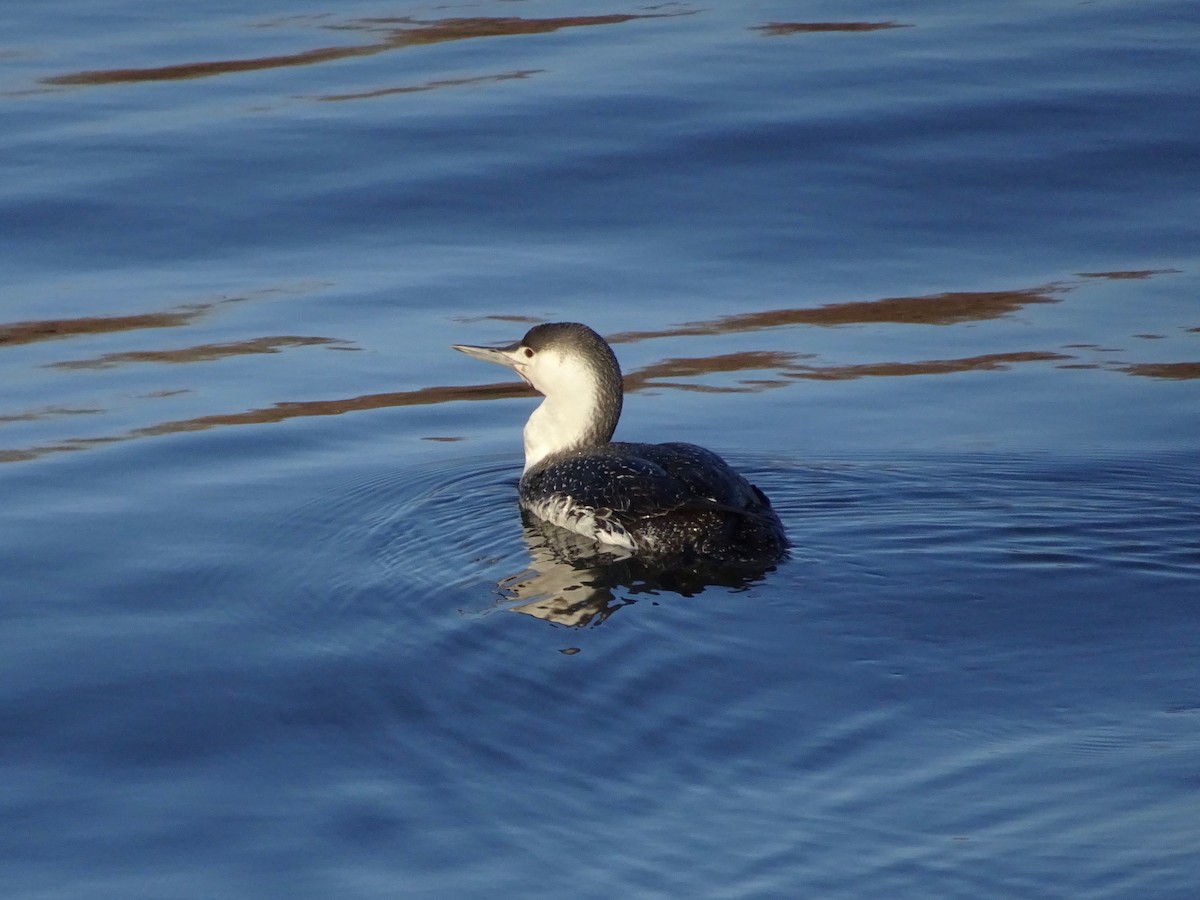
x,y
582,405
562,422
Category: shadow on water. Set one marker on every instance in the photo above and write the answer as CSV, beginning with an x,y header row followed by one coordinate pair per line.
x,y
572,581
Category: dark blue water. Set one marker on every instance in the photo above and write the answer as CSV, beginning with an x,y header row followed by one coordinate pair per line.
x,y
271,623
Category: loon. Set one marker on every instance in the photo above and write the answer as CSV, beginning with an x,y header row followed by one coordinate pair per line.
x,y
659,500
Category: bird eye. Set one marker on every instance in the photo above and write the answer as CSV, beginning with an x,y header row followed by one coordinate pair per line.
x,y
528,353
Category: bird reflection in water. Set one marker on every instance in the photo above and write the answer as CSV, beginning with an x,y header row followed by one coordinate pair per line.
x,y
573,581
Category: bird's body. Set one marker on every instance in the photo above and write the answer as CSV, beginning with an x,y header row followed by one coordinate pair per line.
x,y
669,499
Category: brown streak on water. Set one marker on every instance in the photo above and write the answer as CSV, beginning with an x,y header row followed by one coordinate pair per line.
x,y
1131,274
990,362
770,368
784,363
411,33
50,329
431,85
1178,371
414,31
184,71
28,332
291,409
280,412
935,309
200,353
694,367
49,412
775,29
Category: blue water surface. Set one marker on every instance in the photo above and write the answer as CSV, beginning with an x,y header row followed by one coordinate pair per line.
x,y
272,625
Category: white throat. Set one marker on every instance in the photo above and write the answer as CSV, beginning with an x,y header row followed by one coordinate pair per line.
x,y
567,418
563,421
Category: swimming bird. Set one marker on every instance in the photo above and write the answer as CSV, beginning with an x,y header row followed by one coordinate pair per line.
x,y
664,500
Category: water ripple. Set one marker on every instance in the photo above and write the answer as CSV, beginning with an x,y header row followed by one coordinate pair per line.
x,y
1008,512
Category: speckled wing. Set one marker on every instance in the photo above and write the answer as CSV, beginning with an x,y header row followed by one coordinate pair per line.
x,y
605,478
597,493
700,474
658,497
